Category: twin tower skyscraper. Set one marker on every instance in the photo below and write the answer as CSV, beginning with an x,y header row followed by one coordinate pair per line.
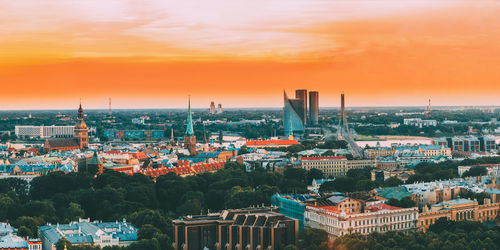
x,y
296,113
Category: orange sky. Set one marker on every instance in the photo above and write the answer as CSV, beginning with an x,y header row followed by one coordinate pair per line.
x,y
244,53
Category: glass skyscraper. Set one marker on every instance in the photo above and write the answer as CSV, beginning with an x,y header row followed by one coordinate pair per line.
x,y
293,115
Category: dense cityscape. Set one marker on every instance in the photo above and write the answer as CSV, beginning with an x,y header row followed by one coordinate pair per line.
x,y
299,177
249,125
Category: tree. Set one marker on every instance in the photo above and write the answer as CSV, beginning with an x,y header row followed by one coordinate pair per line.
x,y
221,136
291,247
476,171
340,184
314,174
148,231
405,202
151,244
151,217
392,182
5,203
243,150
295,148
63,243
313,238
24,231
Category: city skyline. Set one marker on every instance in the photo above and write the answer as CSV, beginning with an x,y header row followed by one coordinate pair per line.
x,y
152,55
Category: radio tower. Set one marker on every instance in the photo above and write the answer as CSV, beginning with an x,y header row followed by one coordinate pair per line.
x,y
428,111
110,112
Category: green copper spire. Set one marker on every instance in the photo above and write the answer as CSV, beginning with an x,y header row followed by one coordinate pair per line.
x,y
189,126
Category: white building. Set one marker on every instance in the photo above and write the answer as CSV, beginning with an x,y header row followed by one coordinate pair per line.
x,y
334,165
84,232
44,131
418,122
376,218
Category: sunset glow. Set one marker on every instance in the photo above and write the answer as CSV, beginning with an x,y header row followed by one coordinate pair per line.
x,y
152,55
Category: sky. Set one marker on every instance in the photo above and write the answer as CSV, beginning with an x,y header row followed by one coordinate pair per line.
x,y
153,54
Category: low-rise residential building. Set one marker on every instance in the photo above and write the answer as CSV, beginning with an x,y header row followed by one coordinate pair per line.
x,y
487,144
387,193
382,175
271,143
10,241
379,151
84,232
468,143
418,122
335,165
44,131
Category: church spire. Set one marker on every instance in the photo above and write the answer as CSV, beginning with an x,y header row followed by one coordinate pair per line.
x,y
189,127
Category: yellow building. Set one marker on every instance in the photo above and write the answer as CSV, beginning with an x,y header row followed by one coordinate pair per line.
x,y
380,151
458,210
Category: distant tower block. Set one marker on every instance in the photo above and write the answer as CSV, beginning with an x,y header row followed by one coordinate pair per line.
x,y
212,108
110,113
428,111
301,94
313,108
219,109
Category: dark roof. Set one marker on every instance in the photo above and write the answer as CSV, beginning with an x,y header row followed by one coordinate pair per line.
x,y
62,142
94,160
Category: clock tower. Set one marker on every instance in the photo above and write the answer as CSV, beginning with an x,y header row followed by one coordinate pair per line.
x,y
81,130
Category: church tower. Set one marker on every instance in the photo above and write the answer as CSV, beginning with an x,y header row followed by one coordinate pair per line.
x,y
189,138
81,130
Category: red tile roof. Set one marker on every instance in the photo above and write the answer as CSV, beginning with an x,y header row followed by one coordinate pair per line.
x,y
140,155
382,206
184,169
324,158
332,209
271,142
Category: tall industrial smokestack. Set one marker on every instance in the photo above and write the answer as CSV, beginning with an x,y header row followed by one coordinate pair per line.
x,y
342,117
342,106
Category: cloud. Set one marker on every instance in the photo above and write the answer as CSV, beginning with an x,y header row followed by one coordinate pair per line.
x,y
253,29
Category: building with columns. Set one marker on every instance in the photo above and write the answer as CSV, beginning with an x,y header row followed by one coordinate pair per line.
x,y
458,210
378,217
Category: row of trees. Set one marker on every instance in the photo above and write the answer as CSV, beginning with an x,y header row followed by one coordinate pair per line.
x,y
60,198
428,171
357,180
444,234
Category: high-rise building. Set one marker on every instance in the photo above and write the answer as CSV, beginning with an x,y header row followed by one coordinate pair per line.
x,y
212,108
293,116
301,94
219,109
313,107
189,138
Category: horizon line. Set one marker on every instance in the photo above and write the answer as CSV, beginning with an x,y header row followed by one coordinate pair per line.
x,y
266,107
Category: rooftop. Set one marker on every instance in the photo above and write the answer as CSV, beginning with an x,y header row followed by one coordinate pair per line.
x,y
325,158
271,142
